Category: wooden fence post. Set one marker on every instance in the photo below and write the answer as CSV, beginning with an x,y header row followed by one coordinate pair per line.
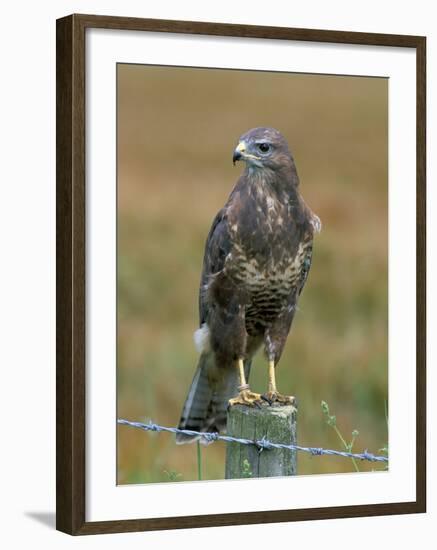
x,y
277,423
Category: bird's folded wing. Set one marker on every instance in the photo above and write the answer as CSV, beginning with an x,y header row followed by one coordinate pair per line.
x,y
217,247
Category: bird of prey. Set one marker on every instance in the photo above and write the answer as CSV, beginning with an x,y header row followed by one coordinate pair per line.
x,y
256,262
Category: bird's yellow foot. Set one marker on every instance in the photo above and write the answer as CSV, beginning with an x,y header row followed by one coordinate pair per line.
x,y
276,397
246,397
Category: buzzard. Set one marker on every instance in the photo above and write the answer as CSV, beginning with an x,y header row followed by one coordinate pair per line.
x,y
256,262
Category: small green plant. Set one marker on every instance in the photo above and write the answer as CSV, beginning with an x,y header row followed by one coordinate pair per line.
x,y
172,475
384,449
246,469
331,420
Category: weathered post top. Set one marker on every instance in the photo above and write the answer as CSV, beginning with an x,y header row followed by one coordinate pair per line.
x,y
277,424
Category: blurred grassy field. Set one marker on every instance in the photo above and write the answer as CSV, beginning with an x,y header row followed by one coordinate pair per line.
x,y
177,128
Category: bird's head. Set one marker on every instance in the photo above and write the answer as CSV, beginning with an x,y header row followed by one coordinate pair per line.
x,y
263,148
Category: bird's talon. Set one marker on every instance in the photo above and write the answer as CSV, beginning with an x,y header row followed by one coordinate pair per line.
x,y
275,397
246,397
265,397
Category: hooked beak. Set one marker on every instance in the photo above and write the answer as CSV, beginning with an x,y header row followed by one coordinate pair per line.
x,y
238,152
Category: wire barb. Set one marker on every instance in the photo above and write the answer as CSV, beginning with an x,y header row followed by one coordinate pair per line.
x,y
262,444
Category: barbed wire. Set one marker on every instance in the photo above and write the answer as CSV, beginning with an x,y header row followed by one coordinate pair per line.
x,y
262,444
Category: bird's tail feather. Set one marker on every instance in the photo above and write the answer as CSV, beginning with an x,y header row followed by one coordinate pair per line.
x,y
207,400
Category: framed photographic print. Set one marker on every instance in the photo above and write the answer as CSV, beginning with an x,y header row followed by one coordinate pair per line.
x,y
262,188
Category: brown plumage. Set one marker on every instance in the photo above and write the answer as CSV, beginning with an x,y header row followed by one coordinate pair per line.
x,y
257,257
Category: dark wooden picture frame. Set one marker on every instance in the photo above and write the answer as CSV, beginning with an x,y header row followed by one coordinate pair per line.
x,y
71,279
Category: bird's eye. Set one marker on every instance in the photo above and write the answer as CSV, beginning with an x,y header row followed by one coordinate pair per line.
x,y
264,147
